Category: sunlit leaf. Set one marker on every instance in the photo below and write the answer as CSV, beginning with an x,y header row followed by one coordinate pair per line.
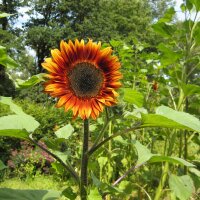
x,y
144,155
168,118
6,60
18,122
181,118
196,3
65,132
31,81
182,186
133,97
13,107
2,15
168,16
94,194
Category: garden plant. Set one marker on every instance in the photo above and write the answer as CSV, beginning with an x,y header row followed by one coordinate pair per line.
x,y
115,120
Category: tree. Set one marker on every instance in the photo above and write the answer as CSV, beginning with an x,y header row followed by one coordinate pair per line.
x,y
102,20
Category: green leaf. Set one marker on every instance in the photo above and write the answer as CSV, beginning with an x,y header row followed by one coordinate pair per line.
x,y
9,194
2,166
104,187
144,155
65,132
181,118
173,160
196,3
168,16
189,5
2,15
191,89
154,120
168,56
13,107
6,60
18,122
182,186
163,29
168,118
69,193
94,195
133,97
31,81
55,144
22,134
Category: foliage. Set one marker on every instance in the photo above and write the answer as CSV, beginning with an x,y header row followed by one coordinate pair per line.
x,y
148,145
28,161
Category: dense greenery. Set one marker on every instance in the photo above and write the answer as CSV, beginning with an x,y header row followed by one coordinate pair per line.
x,y
145,147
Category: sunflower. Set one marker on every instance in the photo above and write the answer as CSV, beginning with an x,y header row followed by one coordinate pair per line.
x,y
83,77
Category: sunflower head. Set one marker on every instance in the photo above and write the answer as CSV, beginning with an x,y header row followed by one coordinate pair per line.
x,y
83,77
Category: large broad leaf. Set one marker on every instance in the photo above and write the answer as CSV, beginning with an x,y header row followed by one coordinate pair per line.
x,y
18,122
9,194
133,96
22,134
144,155
191,89
182,118
2,166
163,29
182,186
31,81
65,132
196,3
6,60
13,107
168,118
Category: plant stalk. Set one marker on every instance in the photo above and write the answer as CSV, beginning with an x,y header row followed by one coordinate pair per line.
x,y
162,182
84,162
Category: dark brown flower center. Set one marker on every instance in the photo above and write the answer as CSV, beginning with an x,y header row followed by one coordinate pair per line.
x,y
85,79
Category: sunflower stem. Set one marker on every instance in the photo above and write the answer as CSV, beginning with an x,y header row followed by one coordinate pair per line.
x,y
84,162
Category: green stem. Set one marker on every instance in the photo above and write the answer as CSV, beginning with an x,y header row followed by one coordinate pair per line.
x,y
67,165
92,150
185,150
84,162
162,182
166,168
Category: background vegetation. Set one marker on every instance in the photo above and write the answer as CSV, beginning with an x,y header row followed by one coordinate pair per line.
x,y
160,58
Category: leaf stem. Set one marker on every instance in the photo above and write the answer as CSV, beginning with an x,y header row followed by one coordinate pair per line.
x,y
84,162
66,166
92,150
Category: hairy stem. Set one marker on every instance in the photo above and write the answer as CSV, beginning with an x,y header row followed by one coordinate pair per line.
x,y
84,162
